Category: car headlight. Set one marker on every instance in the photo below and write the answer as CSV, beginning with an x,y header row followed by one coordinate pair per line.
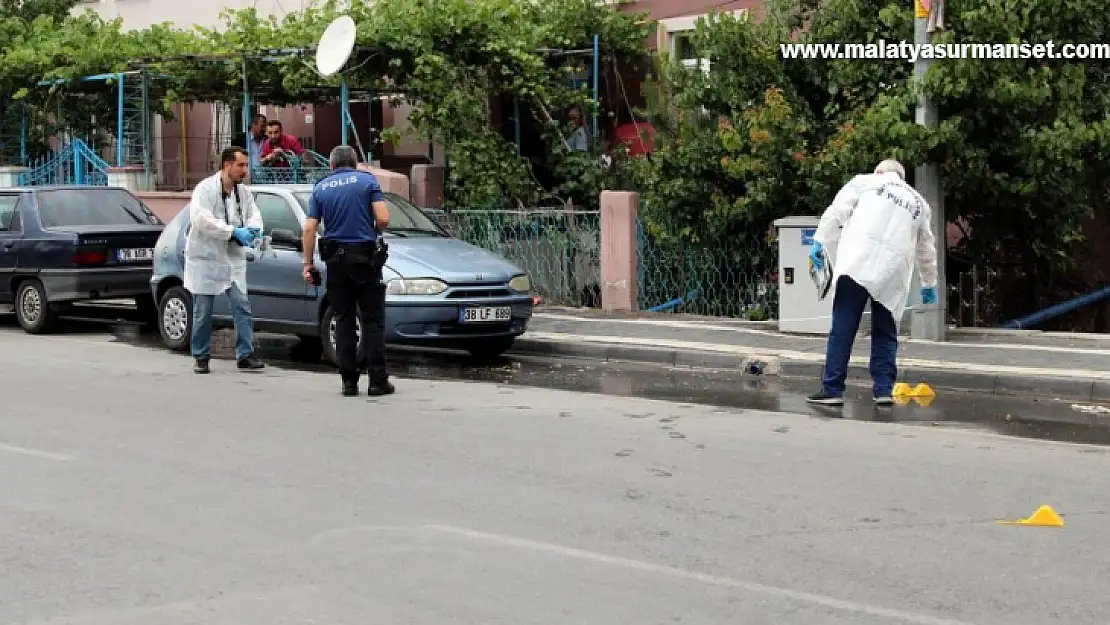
x,y
521,284
419,286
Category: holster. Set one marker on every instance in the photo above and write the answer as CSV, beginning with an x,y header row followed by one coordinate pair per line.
x,y
328,248
381,253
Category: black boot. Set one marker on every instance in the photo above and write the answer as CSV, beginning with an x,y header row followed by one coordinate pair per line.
x,y
201,366
350,386
250,363
380,386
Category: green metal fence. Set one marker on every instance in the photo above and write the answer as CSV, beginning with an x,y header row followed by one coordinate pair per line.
x,y
559,248
740,282
561,251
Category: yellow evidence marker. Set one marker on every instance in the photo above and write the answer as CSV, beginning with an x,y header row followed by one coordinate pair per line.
x,y
1045,516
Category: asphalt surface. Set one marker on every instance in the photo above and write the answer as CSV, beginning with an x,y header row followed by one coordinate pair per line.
x,y
1045,417
136,492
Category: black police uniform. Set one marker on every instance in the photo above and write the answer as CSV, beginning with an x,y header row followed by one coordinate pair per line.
x,y
355,254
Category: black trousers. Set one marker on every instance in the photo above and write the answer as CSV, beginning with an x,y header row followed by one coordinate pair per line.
x,y
355,287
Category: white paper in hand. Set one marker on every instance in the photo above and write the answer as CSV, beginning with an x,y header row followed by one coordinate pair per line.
x,y
823,277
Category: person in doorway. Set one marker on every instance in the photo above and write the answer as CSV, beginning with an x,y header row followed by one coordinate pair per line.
x,y
280,149
578,139
257,133
224,222
350,204
886,231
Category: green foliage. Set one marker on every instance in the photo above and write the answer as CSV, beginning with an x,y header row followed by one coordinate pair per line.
x,y
452,59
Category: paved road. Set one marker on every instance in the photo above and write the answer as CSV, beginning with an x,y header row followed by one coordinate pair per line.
x,y
137,493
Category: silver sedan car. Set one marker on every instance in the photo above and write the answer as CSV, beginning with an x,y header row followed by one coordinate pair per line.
x,y
440,291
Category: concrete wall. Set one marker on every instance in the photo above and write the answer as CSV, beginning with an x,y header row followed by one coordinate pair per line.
x,y
165,204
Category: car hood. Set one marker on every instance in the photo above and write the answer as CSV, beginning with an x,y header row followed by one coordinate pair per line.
x,y
450,260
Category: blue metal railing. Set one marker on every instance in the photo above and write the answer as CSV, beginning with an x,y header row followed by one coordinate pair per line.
x,y
74,163
298,172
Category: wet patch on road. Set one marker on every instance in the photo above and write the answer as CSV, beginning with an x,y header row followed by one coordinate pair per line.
x,y
729,391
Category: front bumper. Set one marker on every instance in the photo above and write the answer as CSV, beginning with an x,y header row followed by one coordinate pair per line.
x,y
427,322
74,285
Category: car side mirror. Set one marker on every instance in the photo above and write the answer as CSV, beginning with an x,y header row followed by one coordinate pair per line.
x,y
286,238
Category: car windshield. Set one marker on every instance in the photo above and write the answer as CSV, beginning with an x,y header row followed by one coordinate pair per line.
x,y
404,218
61,208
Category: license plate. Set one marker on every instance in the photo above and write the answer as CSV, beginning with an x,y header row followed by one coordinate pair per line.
x,y
132,255
485,314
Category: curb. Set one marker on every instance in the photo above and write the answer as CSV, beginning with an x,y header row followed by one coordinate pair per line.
x,y
768,364
946,379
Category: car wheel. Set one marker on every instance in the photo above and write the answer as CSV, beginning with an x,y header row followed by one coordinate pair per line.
x,y
327,336
175,318
32,310
486,349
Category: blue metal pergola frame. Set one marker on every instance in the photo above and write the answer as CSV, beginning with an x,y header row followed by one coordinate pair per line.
x,y
140,117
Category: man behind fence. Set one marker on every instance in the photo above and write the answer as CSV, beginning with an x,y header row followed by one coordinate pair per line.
x,y
886,229
351,205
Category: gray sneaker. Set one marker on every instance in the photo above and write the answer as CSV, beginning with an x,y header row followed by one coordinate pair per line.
x,y
884,400
825,399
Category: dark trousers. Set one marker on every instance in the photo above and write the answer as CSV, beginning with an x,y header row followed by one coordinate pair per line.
x,y
848,305
355,287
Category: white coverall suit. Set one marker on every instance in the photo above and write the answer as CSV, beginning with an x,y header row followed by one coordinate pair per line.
x,y
886,231
216,264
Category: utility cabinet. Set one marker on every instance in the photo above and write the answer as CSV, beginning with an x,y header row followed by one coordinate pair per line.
x,y
799,309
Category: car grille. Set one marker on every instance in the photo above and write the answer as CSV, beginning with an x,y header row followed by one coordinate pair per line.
x,y
466,293
447,329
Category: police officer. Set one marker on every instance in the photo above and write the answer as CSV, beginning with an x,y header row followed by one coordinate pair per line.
x,y
350,203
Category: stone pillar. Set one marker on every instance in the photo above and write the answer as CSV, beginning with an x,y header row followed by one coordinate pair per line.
x,y
134,178
619,234
427,186
391,181
9,176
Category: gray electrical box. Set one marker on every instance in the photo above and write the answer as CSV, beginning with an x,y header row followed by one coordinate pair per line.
x,y
799,309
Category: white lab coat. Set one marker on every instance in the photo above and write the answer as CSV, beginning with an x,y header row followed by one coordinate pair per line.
x,y
213,261
887,229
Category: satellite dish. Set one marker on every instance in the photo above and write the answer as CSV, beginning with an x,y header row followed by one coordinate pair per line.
x,y
336,45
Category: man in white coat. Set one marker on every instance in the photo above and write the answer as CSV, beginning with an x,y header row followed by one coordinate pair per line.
x,y
224,222
886,231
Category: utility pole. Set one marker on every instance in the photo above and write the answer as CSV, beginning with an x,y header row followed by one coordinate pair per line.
x,y
929,321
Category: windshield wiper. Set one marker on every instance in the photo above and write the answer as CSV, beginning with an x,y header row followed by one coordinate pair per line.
x,y
420,230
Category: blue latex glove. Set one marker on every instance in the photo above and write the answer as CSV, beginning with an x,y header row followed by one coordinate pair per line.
x,y
929,295
243,235
257,232
815,256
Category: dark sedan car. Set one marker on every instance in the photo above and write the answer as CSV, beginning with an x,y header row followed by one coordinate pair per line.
x,y
61,245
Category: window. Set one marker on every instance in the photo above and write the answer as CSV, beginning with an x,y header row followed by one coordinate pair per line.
x,y
92,207
674,38
9,214
276,214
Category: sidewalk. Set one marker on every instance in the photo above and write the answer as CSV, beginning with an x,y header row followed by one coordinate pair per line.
x,y
990,361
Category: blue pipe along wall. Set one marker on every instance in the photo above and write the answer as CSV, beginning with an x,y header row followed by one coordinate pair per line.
x,y
1028,321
